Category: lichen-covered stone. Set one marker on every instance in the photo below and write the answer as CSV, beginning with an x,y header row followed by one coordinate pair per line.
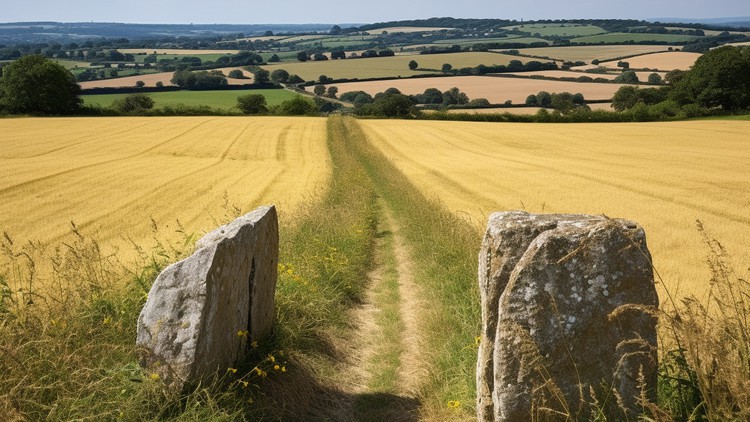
x,y
567,309
203,312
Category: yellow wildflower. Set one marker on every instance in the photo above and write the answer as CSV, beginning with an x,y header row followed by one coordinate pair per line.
x,y
453,404
154,377
232,370
242,333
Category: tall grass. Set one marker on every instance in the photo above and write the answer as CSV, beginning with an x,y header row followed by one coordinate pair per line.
x,y
705,373
443,249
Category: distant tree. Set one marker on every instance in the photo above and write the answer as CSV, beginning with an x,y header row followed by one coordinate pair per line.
x,y
563,102
262,76
455,96
133,104
113,73
480,102
654,79
595,62
531,100
236,74
544,99
34,84
515,65
578,99
369,53
432,96
338,54
447,67
413,65
319,57
302,56
325,79
274,58
140,84
358,98
159,84
386,53
627,77
335,30
294,79
625,98
279,76
268,34
623,64
319,89
252,104
332,91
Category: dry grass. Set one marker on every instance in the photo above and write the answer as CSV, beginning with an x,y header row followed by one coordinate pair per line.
x,y
663,175
590,52
495,89
112,176
396,66
673,60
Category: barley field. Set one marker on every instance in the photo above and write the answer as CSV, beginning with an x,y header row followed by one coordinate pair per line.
x,y
673,60
665,176
588,53
113,176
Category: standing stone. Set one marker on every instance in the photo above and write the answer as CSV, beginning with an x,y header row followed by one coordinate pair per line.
x,y
567,311
203,312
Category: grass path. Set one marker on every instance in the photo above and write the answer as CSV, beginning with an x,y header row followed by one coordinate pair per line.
x,y
388,367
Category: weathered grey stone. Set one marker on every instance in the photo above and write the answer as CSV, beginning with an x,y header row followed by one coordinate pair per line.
x,y
567,308
203,312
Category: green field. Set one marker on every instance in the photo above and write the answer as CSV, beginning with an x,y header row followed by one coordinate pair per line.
x,y
204,57
396,66
225,99
565,30
617,37
471,41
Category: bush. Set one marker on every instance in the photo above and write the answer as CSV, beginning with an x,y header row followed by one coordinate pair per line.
x,y
236,74
133,104
297,106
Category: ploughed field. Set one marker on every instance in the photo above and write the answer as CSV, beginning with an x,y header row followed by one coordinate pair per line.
x,y
112,176
665,176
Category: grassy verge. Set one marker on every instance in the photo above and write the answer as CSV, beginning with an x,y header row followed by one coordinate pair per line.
x,y
67,351
443,250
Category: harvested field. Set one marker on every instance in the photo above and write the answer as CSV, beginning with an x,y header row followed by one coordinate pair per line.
x,y
174,51
111,176
557,74
520,110
662,61
495,89
384,67
163,77
665,176
587,53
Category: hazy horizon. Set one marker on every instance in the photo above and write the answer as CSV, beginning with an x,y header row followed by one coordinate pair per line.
x,y
340,11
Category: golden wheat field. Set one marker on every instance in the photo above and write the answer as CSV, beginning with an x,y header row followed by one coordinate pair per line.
x,y
112,176
665,176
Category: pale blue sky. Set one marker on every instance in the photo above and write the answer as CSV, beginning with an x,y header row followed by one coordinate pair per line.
x,y
340,11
